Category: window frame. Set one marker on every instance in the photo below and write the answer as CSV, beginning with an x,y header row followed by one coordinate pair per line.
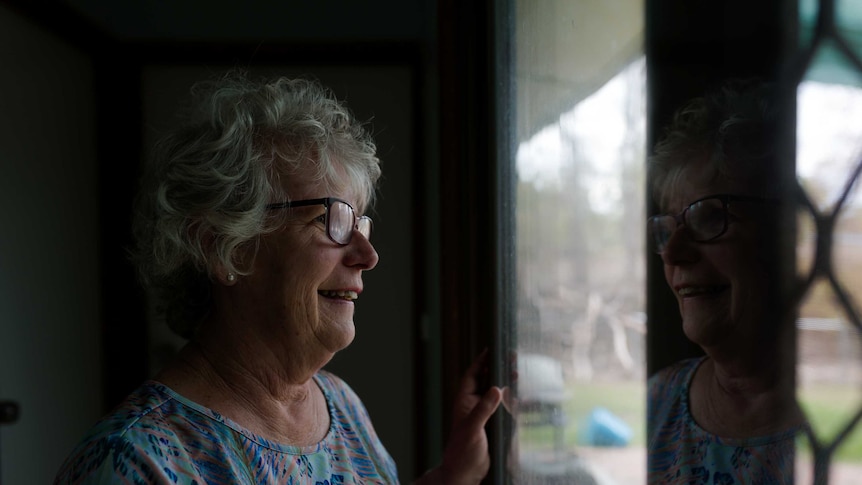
x,y
689,48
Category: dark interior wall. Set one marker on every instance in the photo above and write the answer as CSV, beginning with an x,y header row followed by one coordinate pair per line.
x,y
50,354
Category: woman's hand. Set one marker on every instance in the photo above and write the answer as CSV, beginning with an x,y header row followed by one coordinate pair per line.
x,y
466,460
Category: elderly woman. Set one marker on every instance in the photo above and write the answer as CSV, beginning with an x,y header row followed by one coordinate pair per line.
x,y
251,232
730,416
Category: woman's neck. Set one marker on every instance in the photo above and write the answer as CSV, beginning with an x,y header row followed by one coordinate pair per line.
x,y
735,399
281,404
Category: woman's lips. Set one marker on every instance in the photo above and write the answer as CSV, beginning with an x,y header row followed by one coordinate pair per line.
x,y
348,295
693,291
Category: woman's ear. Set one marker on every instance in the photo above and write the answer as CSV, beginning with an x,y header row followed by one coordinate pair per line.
x,y
217,269
227,278
239,258
230,277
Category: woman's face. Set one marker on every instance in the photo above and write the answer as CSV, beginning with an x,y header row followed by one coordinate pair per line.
x,y
298,274
722,285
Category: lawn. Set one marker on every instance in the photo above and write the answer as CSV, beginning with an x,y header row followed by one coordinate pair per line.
x,y
626,400
829,407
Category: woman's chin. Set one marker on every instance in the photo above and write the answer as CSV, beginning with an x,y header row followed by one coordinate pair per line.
x,y
338,335
704,333
348,337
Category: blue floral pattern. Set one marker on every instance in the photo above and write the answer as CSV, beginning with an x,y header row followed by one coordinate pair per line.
x,y
157,436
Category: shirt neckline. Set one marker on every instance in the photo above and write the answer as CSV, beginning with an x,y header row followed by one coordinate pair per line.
x,y
257,439
749,441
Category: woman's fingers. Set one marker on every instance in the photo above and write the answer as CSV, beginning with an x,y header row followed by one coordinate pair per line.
x,y
470,381
484,409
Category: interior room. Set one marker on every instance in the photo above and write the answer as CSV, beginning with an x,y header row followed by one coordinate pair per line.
x,y
506,219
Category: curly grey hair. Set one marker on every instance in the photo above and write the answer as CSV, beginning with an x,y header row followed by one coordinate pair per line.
x,y
204,193
733,129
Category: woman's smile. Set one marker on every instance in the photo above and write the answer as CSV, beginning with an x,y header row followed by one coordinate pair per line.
x,y
344,295
701,291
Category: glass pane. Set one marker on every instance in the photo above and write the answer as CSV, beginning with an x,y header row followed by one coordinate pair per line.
x,y
829,355
580,243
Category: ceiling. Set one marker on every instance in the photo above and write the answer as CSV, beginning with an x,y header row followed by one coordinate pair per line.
x,y
565,49
255,20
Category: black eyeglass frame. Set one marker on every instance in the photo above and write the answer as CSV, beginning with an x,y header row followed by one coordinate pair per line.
x,y
725,199
327,203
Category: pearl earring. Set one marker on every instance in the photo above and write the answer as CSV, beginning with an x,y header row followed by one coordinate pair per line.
x,y
231,277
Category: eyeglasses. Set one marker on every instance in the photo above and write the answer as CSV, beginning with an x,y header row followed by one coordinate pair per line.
x,y
340,219
705,219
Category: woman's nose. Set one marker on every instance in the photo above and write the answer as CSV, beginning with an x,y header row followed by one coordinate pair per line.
x,y
362,252
679,248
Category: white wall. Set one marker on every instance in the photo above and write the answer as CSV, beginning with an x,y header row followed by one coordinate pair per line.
x,y
49,315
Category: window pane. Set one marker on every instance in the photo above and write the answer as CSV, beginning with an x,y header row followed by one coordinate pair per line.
x,y
580,242
829,345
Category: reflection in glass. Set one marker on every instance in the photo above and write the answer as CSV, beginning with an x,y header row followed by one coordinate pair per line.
x,y
729,416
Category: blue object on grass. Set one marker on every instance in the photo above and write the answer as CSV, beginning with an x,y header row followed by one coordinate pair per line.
x,y
603,428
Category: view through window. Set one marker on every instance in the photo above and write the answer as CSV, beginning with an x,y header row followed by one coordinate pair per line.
x,y
829,360
581,277
581,280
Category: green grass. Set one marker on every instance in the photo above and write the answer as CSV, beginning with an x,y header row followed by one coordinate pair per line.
x,y
828,407
627,400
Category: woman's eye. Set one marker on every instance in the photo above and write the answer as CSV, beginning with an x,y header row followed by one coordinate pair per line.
x,y
321,218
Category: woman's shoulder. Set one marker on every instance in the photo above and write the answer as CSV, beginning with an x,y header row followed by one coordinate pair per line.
x,y
675,376
328,378
337,390
345,406
354,431
115,433
667,396
139,405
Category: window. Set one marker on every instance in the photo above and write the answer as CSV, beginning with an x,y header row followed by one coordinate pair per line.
x,y
584,280
558,60
580,315
828,79
829,354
